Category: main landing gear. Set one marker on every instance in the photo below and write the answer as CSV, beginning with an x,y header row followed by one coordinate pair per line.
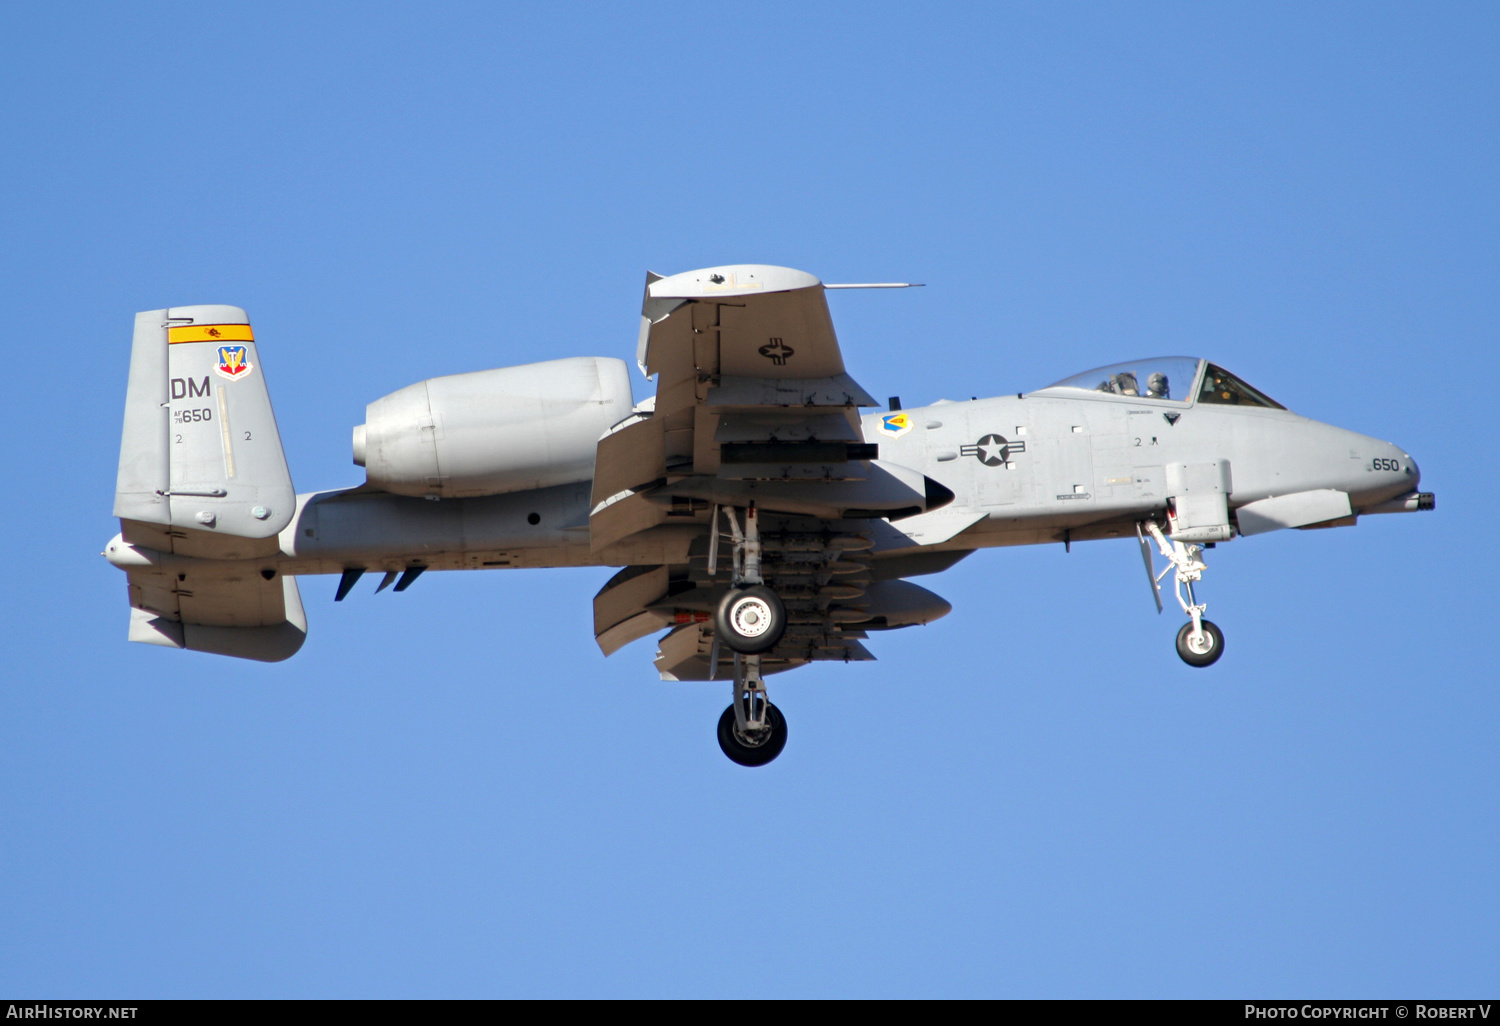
x,y
1200,642
750,620
752,731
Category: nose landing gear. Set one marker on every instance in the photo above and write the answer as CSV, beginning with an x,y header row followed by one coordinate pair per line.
x,y
1200,648
1199,642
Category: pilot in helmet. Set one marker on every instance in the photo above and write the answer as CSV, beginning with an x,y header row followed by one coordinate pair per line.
x,y
1157,387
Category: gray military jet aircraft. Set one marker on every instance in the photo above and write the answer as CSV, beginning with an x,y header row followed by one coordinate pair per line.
x,y
762,521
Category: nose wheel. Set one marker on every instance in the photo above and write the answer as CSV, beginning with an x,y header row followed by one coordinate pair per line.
x,y
1199,642
1202,647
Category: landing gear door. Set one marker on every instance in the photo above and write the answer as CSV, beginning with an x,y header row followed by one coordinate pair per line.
x,y
1199,497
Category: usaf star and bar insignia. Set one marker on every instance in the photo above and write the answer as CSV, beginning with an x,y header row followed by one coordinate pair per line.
x,y
993,450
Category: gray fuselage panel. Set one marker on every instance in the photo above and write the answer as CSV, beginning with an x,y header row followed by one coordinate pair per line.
x,y
1038,468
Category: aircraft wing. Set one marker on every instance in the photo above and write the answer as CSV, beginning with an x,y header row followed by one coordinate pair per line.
x,y
753,406
750,322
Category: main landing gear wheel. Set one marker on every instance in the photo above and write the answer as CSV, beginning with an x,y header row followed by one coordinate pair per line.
x,y
754,747
750,620
1203,650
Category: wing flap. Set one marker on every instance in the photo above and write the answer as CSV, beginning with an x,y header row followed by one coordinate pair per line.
x,y
622,515
620,613
629,458
633,628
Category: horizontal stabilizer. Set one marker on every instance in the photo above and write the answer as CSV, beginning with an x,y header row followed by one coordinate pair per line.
x,y
225,612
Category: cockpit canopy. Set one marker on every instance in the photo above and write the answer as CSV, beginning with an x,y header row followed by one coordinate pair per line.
x,y
1168,379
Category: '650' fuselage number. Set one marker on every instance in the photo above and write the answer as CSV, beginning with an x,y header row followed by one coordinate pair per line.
x,y
192,416
1380,463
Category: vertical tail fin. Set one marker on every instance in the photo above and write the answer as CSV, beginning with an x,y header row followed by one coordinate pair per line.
x,y
202,472
203,476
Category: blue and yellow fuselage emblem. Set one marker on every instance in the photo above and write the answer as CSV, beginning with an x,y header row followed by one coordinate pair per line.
x,y
895,424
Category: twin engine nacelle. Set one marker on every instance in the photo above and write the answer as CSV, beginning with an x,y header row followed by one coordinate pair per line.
x,y
493,431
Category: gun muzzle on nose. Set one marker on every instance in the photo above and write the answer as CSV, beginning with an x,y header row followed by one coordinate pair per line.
x,y
1411,502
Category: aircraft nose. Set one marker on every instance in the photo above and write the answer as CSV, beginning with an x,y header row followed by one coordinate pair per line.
x,y
1389,466
1399,464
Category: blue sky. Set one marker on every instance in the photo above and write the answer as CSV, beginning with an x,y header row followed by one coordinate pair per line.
x,y
449,792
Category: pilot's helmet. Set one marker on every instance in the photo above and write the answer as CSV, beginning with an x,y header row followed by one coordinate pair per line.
x,y
1156,386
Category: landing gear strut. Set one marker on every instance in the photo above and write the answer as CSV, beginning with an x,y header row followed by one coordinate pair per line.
x,y
750,620
751,617
752,731
1200,642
